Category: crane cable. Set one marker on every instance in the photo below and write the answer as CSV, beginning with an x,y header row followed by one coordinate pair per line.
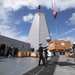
x,y
61,28
56,21
58,24
54,5
53,8
56,28
53,2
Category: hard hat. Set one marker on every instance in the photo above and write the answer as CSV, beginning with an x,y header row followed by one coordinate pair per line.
x,y
73,42
48,39
40,44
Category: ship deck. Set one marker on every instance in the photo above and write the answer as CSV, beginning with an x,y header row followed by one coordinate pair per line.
x,y
58,65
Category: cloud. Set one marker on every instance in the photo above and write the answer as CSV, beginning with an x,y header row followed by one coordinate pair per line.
x,y
31,4
71,20
28,18
6,30
6,26
65,4
67,32
16,5
72,39
22,38
11,32
17,22
3,15
60,5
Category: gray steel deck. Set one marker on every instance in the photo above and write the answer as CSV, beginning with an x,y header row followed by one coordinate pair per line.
x,y
28,66
65,66
17,66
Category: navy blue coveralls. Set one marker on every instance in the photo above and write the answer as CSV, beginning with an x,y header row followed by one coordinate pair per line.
x,y
46,53
40,50
74,51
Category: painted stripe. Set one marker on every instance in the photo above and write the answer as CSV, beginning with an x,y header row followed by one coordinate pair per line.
x,y
39,71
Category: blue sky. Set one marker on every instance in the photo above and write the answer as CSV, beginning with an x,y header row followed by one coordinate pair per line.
x,y
16,18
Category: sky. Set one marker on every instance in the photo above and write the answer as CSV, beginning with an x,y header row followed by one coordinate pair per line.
x,y
16,18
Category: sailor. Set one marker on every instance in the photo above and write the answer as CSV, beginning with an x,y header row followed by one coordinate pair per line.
x,y
74,50
46,53
41,57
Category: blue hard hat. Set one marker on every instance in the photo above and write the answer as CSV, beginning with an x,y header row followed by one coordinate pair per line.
x,y
40,44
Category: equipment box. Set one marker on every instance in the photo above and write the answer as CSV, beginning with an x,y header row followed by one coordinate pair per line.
x,y
22,54
28,53
59,45
34,54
